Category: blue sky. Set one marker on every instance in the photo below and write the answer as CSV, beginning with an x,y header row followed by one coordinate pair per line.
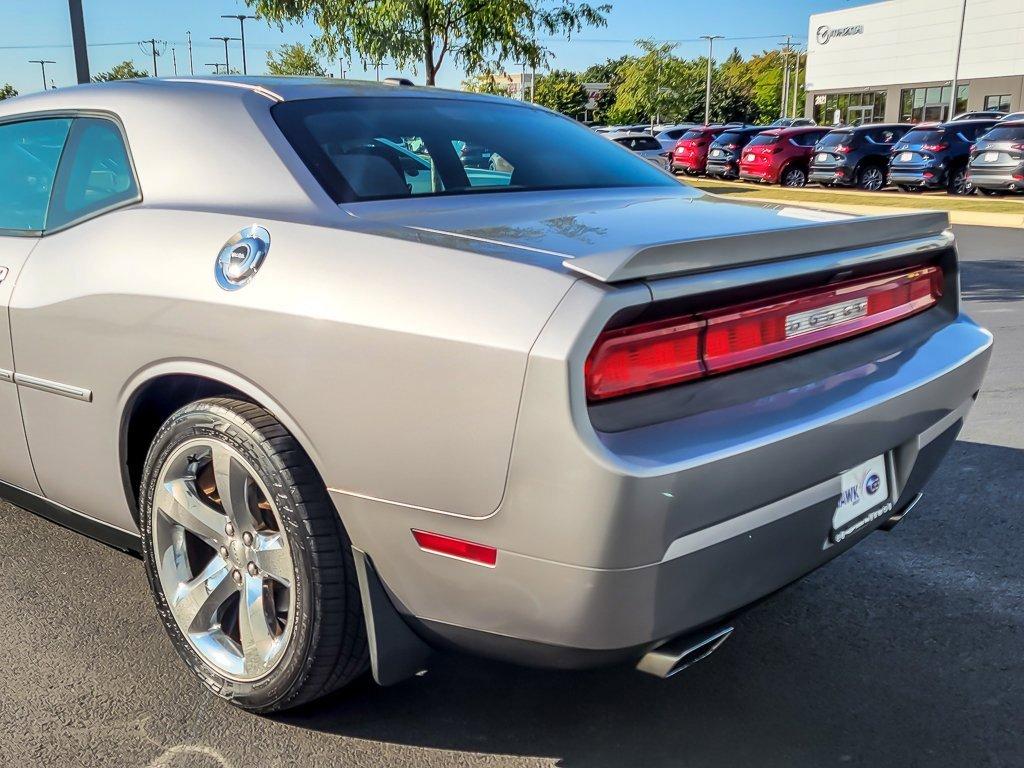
x,y
38,29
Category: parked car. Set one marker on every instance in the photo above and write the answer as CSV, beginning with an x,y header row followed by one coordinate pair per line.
x,y
997,159
856,156
345,418
792,122
780,155
668,135
645,145
935,156
724,152
988,114
690,155
1013,117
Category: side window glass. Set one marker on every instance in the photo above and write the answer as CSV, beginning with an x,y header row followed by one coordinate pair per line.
x,y
485,167
95,172
29,154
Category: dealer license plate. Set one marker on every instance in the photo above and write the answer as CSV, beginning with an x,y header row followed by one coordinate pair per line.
x,y
716,153
905,157
864,497
822,157
991,157
750,157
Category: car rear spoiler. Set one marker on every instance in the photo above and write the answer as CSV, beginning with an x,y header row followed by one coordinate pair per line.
x,y
710,254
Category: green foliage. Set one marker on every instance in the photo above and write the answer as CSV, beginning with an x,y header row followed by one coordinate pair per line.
x,y
7,91
294,60
486,82
124,71
476,34
561,91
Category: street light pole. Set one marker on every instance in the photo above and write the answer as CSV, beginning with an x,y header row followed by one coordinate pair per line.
x,y
956,66
785,75
42,63
227,61
707,86
241,24
78,41
796,83
191,67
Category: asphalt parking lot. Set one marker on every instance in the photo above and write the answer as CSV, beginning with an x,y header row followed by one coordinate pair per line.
x,y
907,651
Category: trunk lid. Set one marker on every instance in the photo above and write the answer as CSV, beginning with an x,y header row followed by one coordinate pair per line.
x,y
626,234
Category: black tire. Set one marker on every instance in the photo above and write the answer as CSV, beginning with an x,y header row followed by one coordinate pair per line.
x,y
793,176
871,178
957,182
327,647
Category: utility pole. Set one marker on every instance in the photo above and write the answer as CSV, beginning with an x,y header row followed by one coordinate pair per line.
x,y
341,68
78,40
796,83
241,24
707,91
191,68
216,67
785,74
42,63
152,49
956,66
227,63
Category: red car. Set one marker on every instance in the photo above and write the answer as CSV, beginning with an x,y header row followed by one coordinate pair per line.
x,y
691,151
781,155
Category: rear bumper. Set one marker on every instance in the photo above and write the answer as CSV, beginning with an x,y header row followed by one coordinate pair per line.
x,y
610,542
833,175
726,169
768,175
1003,179
916,178
688,165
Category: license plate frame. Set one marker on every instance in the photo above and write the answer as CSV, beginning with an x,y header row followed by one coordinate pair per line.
x,y
990,157
906,157
858,504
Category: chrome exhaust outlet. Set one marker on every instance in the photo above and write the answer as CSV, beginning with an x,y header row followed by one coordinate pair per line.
x,y
682,652
896,519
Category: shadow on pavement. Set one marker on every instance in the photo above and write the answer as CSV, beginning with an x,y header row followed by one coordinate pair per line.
x,y
993,280
906,651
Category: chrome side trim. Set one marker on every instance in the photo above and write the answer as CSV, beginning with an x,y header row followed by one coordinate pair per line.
x,y
6,375
53,387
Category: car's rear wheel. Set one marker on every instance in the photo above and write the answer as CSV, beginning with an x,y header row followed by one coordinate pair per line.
x,y
794,176
250,567
871,178
959,184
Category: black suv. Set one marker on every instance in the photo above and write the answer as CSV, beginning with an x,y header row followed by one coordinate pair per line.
x,y
997,160
724,154
855,156
935,155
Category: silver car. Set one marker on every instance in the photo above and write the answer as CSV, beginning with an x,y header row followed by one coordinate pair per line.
x,y
351,402
644,145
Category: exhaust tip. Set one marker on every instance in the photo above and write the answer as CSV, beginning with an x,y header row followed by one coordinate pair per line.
x,y
683,652
893,520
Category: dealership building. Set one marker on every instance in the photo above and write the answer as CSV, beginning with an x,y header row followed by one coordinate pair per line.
x,y
894,61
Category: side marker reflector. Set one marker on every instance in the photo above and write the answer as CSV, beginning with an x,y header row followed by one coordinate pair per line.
x,y
439,544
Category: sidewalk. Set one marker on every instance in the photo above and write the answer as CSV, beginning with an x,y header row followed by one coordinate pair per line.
x,y
984,212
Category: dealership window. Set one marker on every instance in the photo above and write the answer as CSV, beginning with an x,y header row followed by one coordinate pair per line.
x,y
926,105
849,108
997,103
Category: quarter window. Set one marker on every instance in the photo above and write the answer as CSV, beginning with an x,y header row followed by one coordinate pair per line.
x,y
29,154
95,174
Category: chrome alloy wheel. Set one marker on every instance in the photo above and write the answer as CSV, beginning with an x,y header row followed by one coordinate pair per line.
x,y
872,179
223,560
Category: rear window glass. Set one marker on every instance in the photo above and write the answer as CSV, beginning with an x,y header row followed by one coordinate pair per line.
x,y
924,137
732,137
836,138
367,148
639,143
761,140
1005,134
695,134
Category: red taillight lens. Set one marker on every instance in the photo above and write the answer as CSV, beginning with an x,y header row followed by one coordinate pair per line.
x,y
1018,147
644,356
460,548
934,147
651,355
843,148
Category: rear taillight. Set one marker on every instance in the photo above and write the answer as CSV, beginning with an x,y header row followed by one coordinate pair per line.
x,y
730,146
934,147
844,149
1018,147
658,354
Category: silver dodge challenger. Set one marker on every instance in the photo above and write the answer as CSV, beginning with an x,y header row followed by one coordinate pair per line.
x,y
363,371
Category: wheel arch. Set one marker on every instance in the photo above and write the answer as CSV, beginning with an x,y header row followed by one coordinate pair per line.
x,y
156,392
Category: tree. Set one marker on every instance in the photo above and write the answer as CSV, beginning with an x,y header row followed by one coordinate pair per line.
x,y
294,60
561,91
475,34
124,71
487,82
657,86
8,91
